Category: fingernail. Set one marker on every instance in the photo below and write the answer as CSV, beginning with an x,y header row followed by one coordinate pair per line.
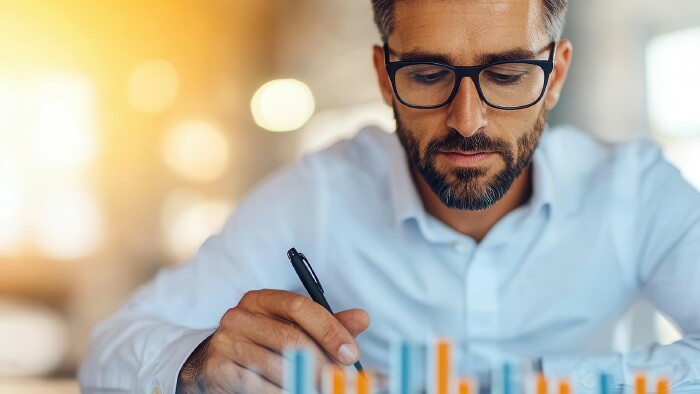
x,y
347,353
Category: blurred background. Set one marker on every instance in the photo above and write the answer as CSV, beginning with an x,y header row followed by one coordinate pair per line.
x,y
130,129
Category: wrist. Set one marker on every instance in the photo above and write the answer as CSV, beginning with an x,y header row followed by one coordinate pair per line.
x,y
188,380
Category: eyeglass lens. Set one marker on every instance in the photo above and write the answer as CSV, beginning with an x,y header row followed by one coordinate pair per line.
x,y
502,85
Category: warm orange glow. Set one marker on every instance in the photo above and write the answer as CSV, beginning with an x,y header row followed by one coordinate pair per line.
x,y
59,121
197,151
152,86
12,227
90,92
47,143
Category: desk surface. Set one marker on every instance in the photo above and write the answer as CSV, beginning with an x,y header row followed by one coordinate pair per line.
x,y
38,386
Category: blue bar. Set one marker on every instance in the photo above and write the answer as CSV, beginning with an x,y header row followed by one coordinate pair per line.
x,y
506,372
298,372
402,368
604,383
405,379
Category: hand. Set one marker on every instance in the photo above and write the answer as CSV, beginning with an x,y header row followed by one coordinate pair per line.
x,y
244,355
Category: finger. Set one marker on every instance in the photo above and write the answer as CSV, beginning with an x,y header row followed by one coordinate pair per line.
x,y
233,378
260,360
277,336
311,317
249,382
242,331
354,320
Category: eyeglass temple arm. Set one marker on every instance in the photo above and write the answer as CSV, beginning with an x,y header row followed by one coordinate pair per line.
x,y
553,51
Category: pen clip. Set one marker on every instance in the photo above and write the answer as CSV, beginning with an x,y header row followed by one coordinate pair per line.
x,y
308,265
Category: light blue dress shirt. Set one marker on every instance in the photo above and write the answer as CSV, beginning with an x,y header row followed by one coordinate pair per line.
x,y
606,224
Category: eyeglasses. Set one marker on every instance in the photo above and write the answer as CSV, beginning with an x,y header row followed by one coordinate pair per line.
x,y
509,85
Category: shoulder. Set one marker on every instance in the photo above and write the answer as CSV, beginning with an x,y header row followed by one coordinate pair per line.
x,y
590,175
578,155
305,184
368,152
355,169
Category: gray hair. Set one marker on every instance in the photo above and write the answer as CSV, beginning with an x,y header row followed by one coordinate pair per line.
x,y
554,11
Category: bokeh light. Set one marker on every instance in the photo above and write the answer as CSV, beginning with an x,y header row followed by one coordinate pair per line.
x,y
7,102
61,127
33,339
153,86
189,219
282,105
48,140
68,225
672,63
11,202
196,151
685,154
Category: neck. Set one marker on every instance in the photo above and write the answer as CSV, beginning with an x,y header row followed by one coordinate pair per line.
x,y
475,224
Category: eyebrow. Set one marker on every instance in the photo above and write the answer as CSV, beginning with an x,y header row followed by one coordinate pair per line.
x,y
417,55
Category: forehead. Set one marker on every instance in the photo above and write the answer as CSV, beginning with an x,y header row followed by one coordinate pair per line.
x,y
467,29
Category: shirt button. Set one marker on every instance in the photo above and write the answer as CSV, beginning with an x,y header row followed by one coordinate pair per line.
x,y
589,380
460,247
157,390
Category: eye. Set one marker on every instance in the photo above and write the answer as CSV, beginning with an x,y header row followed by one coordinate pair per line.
x,y
505,78
508,73
428,77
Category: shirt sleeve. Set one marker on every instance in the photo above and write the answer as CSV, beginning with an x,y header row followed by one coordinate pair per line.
x,y
664,232
141,348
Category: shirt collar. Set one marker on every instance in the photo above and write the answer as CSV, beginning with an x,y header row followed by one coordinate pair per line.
x,y
405,199
407,204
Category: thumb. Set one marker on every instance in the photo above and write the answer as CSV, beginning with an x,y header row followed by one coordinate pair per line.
x,y
354,320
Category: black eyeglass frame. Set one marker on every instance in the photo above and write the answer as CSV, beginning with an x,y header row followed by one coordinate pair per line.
x,y
473,73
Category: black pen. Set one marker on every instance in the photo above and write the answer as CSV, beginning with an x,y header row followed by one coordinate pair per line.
x,y
311,283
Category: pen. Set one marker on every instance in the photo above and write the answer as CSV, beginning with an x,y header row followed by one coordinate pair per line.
x,y
311,283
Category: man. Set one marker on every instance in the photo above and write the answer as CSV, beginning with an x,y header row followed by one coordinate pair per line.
x,y
469,222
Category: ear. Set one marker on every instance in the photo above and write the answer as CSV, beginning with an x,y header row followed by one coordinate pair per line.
x,y
562,61
382,76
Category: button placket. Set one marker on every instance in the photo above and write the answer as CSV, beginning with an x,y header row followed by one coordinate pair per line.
x,y
482,296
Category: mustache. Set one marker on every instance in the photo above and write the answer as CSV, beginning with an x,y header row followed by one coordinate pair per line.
x,y
454,141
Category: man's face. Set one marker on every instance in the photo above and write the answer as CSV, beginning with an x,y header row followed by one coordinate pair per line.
x,y
473,182
467,152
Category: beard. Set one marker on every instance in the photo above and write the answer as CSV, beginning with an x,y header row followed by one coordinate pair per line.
x,y
469,189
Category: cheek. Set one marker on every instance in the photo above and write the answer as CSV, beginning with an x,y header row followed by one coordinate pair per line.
x,y
510,125
424,124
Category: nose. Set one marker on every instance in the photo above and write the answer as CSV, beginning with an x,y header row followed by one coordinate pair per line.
x,y
467,112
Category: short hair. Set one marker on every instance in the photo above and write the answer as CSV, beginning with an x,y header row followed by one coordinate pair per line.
x,y
554,11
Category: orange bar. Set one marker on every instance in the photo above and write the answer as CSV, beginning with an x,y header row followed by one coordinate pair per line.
x,y
541,384
364,382
662,386
337,381
564,387
463,386
442,364
640,384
